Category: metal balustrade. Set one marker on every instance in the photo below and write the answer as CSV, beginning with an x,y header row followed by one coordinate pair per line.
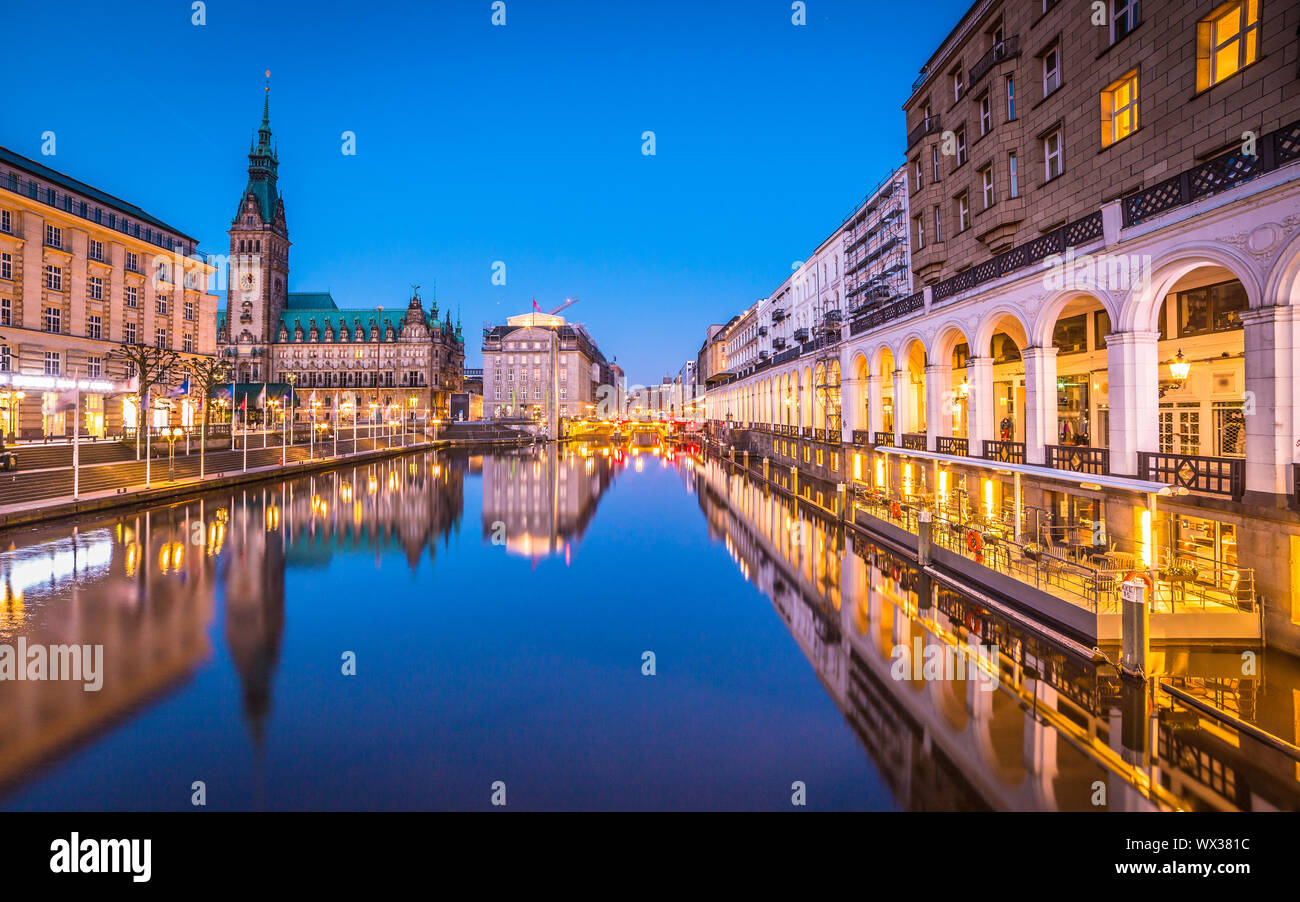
x,y
950,444
1074,234
914,441
1079,459
1224,476
884,438
1221,173
1004,452
1196,585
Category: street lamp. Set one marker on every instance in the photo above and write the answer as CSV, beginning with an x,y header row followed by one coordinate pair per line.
x,y
1179,368
172,435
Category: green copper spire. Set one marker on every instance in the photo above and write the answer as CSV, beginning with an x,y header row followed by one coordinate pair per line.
x,y
263,160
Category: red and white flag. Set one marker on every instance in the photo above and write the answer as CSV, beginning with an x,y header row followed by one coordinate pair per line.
x,y
536,308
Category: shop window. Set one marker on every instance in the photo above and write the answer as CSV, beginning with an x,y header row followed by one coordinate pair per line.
x,y
1004,349
1072,410
1214,308
1071,334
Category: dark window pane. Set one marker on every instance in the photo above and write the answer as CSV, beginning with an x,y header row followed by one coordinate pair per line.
x,y
1071,334
1194,312
1229,301
1101,321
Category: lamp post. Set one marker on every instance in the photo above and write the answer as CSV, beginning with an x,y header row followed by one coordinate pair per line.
x,y
292,379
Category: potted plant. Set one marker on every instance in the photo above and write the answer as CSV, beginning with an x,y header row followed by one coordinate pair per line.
x,y
1178,572
1033,551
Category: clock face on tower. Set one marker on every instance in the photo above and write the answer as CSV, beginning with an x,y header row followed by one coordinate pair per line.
x,y
248,281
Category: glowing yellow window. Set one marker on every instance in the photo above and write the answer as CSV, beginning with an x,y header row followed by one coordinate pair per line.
x,y
1227,41
1119,109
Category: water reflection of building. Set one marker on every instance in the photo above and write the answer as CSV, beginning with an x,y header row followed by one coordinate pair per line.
x,y
253,577
1055,726
144,586
537,500
139,587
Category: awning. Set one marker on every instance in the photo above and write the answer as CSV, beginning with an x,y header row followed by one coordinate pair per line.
x,y
1125,483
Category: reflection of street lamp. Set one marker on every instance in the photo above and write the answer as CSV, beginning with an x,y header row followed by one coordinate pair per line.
x,y
172,435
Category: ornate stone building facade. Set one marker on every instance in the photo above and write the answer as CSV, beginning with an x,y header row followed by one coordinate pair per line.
x,y
1103,329
374,361
83,273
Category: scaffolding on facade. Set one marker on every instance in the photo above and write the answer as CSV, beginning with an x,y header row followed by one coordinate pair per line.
x,y
875,248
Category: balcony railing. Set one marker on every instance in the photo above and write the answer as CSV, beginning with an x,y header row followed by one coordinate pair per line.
x,y
1073,571
878,317
928,126
1004,452
1220,173
1073,234
885,438
800,334
1079,459
778,314
951,444
914,441
1223,476
1000,51
863,437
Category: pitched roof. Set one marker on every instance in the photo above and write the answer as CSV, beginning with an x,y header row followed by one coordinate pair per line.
x,y
71,184
311,300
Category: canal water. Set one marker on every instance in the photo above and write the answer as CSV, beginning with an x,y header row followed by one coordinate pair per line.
x,y
572,628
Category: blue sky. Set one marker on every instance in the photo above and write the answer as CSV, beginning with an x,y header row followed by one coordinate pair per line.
x,y
477,143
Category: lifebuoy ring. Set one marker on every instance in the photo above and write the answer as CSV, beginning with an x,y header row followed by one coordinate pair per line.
x,y
974,542
895,511
1146,578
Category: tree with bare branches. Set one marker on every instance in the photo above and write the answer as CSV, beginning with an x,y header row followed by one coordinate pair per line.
x,y
152,367
207,374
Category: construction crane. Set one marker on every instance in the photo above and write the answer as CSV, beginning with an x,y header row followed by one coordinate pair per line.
x,y
568,302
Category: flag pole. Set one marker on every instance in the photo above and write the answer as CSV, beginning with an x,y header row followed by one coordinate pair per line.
x,y
334,423
76,444
245,419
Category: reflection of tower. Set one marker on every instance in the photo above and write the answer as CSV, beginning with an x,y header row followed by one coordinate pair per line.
x,y
254,592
